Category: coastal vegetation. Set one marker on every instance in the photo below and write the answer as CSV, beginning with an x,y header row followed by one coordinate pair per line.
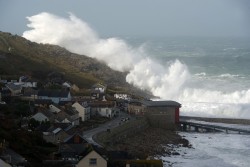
x,y
21,57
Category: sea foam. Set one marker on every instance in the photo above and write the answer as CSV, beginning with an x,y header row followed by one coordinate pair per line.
x,y
169,80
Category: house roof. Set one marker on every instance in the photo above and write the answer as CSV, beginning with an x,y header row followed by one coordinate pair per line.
x,y
70,139
24,78
61,116
63,126
46,113
53,93
15,157
71,111
101,151
13,87
161,103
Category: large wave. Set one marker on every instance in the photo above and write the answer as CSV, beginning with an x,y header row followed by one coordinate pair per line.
x,y
168,81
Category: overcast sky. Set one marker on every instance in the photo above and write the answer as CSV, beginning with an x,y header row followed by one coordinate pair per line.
x,y
138,17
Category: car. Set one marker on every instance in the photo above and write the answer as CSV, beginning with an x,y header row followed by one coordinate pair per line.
x,y
123,119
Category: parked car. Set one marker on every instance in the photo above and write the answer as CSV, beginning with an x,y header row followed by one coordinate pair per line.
x,y
123,119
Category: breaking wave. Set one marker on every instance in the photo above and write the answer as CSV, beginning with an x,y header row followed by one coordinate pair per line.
x,y
169,81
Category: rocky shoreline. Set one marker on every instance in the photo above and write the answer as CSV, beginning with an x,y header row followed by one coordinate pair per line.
x,y
156,142
151,142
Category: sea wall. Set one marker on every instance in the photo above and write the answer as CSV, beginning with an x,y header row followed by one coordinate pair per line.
x,y
128,129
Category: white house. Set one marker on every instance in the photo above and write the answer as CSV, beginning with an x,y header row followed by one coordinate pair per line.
x,y
122,96
84,112
92,159
99,87
4,164
24,81
103,108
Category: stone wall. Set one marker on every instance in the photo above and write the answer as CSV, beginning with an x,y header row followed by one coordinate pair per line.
x,y
127,129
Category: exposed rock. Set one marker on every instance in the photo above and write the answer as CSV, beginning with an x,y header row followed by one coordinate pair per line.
x,y
152,142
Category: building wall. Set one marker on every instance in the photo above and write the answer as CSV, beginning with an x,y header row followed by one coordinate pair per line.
x,y
135,109
84,113
161,117
101,162
106,112
131,128
4,164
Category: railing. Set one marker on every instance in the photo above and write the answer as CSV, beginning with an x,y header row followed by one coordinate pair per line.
x,y
184,125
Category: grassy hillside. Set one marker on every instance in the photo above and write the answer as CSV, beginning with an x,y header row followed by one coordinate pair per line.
x,y
19,56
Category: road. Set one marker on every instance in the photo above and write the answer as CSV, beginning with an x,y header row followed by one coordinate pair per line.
x,y
88,135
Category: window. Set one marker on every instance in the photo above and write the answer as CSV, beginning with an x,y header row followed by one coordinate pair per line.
x,y
92,161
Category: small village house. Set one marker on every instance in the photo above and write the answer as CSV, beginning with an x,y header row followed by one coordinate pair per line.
x,y
29,94
93,158
43,116
103,108
54,109
122,96
55,95
83,110
25,82
73,147
68,115
98,91
55,135
15,89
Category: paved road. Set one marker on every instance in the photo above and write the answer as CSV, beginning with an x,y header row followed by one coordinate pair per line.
x,y
88,135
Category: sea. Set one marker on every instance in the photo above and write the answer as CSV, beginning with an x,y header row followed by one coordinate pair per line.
x,y
219,80
209,76
219,68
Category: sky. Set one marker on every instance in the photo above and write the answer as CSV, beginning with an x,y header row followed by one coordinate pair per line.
x,y
138,18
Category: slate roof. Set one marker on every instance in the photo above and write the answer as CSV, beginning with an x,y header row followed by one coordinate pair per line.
x,y
13,87
71,111
161,103
70,139
53,93
63,126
